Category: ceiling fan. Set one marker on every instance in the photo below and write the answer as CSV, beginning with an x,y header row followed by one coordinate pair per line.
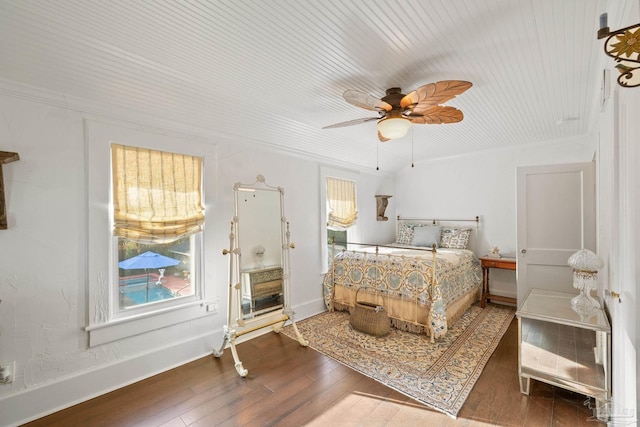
x,y
397,111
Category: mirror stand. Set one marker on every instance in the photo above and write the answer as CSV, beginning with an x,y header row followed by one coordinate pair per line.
x,y
259,283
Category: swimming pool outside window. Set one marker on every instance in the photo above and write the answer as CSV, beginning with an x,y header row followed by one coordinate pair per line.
x,y
153,273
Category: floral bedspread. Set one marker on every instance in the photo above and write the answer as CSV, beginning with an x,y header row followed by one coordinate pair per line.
x,y
408,275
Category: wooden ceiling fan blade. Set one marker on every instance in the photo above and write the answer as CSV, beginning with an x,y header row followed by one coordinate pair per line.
x,y
437,115
366,101
434,93
351,122
411,113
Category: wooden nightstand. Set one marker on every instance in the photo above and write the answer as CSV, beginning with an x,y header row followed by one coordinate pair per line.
x,y
488,263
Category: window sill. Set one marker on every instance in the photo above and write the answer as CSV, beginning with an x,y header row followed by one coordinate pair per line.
x,y
123,328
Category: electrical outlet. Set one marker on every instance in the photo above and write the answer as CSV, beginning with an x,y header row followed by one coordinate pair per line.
x,y
6,372
212,305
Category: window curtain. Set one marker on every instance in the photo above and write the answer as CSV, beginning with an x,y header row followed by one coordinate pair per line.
x,y
156,195
341,195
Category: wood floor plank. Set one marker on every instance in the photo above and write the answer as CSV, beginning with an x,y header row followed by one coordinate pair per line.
x,y
208,397
354,408
275,405
313,401
176,422
513,407
539,411
565,414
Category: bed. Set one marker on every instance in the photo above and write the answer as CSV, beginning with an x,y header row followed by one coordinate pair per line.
x,y
425,280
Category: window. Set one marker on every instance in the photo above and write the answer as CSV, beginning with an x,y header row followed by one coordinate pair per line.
x,y
177,292
336,242
342,213
157,207
341,201
329,174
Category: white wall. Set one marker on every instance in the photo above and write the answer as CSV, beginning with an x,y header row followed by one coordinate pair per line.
x,y
43,271
482,184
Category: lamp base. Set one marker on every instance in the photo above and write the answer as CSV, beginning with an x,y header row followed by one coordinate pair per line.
x,y
584,300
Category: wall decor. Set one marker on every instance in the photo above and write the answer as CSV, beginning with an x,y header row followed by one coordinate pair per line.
x,y
5,157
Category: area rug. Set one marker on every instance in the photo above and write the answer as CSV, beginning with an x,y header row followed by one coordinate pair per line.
x,y
440,375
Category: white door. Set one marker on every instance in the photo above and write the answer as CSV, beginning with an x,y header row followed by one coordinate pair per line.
x,y
555,218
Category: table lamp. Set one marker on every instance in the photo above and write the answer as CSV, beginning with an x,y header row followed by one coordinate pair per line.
x,y
585,266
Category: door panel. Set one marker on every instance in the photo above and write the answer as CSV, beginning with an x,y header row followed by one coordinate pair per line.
x,y
546,273
555,219
553,207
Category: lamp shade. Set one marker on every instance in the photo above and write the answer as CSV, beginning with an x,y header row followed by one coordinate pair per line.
x,y
393,127
585,260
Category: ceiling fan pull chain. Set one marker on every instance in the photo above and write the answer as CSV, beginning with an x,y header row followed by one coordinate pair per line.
x,y
412,132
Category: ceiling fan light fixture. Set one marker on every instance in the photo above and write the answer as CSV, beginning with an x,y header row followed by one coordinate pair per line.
x,y
394,127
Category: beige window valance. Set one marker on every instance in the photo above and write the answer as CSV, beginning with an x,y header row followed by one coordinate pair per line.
x,y
341,196
156,195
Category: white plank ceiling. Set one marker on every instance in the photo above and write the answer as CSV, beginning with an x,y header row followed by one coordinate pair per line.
x,y
273,72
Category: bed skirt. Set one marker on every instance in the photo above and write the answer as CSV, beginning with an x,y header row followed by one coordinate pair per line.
x,y
406,315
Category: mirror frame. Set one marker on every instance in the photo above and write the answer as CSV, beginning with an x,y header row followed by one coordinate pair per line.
x,y
276,319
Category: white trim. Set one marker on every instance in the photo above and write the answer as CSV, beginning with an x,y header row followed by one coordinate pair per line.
x,y
586,138
125,327
104,324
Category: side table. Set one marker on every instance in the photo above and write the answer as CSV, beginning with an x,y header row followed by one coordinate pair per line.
x,y
564,347
488,263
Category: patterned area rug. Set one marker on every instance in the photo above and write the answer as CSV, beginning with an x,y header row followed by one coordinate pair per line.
x,y
440,375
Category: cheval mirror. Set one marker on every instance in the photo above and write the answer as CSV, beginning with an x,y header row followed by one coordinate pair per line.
x,y
259,271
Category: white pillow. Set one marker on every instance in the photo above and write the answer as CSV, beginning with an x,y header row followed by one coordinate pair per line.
x,y
426,236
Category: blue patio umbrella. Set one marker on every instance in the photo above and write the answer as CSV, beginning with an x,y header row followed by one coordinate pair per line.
x,y
148,260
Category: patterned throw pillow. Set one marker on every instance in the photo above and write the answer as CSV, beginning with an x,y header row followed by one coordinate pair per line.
x,y
405,234
455,238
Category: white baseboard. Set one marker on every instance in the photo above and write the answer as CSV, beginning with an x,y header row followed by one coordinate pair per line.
x,y
505,294
310,308
45,399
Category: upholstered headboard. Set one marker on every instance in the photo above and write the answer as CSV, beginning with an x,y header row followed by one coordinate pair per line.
x,y
453,230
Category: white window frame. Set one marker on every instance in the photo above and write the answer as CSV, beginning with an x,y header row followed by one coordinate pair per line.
x,y
352,232
106,322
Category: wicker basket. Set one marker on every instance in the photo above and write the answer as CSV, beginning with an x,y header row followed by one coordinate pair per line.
x,y
369,318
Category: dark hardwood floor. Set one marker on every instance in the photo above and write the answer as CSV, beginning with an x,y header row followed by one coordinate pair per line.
x,y
289,385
